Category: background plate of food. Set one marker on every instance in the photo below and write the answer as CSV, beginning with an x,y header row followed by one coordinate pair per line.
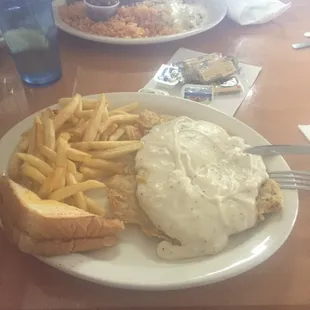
x,y
138,22
142,191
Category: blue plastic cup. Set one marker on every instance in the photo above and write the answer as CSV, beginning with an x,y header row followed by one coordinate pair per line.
x,y
29,30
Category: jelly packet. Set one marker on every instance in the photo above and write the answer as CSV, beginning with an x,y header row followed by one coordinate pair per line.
x,y
198,93
207,69
231,85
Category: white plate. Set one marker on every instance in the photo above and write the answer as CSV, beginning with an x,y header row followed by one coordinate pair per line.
x,y
217,11
133,263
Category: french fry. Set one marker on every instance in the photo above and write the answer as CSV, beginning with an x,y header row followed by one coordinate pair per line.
x,y
49,133
65,135
23,143
79,176
64,101
97,136
65,150
117,112
103,164
78,109
71,167
124,119
77,155
117,134
26,133
36,162
52,182
33,173
91,173
66,112
58,180
14,167
39,132
62,183
117,152
74,119
105,122
70,190
127,108
94,173
48,113
84,113
32,140
109,131
80,128
52,156
48,153
100,145
95,121
15,162
88,103
94,207
67,127
79,198
62,148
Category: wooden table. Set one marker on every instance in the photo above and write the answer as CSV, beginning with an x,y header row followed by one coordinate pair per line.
x,y
278,102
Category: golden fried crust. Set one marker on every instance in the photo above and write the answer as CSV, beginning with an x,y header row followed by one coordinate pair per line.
x,y
148,119
269,199
122,189
125,206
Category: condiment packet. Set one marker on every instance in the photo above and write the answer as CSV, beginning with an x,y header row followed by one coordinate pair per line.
x,y
189,67
231,85
207,69
198,93
201,61
167,76
217,70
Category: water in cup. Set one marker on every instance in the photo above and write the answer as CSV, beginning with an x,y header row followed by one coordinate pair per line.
x,y
31,35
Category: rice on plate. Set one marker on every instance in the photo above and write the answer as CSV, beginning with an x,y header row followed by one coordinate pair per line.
x,y
148,18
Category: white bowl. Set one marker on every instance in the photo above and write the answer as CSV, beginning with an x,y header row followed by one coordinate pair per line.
x,y
99,13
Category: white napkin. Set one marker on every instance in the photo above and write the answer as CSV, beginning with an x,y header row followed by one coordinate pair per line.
x,y
246,12
305,129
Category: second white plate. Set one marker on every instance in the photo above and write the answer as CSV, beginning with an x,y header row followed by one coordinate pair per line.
x,y
216,12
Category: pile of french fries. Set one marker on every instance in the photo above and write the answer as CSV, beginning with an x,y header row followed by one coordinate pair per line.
x,y
66,151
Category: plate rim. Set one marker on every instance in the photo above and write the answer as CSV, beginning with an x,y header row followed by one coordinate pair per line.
x,y
188,282
130,41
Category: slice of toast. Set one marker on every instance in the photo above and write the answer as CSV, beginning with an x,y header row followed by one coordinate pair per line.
x,y
49,220
55,247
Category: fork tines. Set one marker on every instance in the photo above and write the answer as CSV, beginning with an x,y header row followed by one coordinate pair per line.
x,y
292,179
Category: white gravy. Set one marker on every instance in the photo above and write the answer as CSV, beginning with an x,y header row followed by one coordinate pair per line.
x,y
200,186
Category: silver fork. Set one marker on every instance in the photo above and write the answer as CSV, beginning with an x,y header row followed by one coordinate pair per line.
x,y
293,179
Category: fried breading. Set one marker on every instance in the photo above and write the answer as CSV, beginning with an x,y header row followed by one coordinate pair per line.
x,y
269,199
148,119
124,204
133,132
